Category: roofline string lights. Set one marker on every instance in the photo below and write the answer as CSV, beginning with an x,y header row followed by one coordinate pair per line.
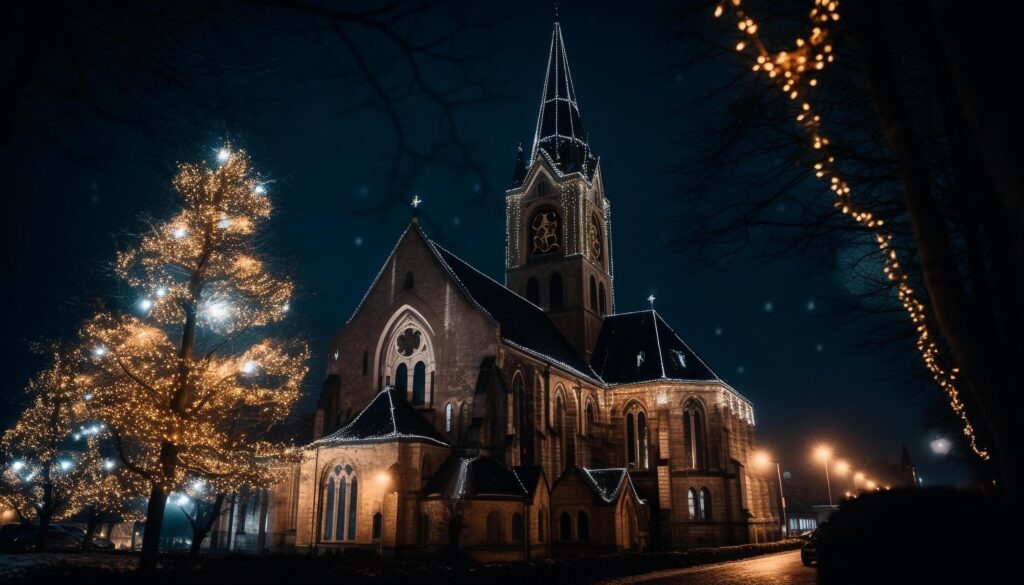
x,y
794,73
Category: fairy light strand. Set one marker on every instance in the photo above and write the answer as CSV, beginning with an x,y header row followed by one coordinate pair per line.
x,y
794,72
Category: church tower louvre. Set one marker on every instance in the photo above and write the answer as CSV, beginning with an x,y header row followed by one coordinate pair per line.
x,y
558,249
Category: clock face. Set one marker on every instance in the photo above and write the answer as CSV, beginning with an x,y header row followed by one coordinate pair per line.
x,y
596,247
408,342
544,232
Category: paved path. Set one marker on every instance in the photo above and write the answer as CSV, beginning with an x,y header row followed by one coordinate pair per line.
x,y
777,569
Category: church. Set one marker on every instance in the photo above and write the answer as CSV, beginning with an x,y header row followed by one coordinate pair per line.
x,y
521,419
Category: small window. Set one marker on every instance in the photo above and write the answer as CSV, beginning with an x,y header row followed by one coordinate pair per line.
x,y
517,526
410,282
602,303
582,527
377,525
449,411
705,504
565,527
640,356
691,503
593,293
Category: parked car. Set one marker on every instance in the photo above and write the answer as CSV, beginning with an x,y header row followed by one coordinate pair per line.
x,y
809,551
57,538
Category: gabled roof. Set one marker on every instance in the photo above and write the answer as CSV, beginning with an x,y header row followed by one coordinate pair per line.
x,y
474,478
387,418
608,483
560,132
640,347
524,326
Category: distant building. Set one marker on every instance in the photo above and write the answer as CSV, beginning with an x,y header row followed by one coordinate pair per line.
x,y
521,419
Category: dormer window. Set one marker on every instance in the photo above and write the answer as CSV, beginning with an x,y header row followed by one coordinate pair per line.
x,y
640,359
679,357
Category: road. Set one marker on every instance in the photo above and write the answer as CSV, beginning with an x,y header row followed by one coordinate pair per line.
x,y
777,569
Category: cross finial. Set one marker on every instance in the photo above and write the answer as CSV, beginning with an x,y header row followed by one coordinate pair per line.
x,y
650,299
415,205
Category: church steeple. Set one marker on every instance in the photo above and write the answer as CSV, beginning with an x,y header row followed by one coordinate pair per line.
x,y
560,132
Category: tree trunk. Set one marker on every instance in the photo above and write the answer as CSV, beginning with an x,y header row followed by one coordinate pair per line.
x,y
44,528
151,531
202,526
90,527
976,352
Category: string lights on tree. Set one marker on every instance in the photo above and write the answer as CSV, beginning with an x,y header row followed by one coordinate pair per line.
x,y
795,72
187,386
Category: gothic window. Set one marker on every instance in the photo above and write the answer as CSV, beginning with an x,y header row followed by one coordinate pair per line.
x,y
402,378
693,434
691,503
339,509
555,300
590,415
582,526
636,438
419,383
448,412
602,300
545,231
407,357
595,240
533,291
517,526
494,528
593,293
560,431
705,504
518,396
565,527
409,281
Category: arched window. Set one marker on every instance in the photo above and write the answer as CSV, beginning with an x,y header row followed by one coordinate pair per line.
x,y
409,281
705,504
691,503
602,301
517,403
449,412
377,525
693,434
542,515
419,383
533,291
494,535
590,415
565,527
339,503
545,231
560,430
582,526
402,378
636,437
593,293
517,526
555,298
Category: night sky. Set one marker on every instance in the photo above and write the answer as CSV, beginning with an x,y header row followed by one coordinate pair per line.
x,y
762,326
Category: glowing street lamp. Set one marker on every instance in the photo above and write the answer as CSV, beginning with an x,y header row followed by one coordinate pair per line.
x,y
857,477
824,453
762,459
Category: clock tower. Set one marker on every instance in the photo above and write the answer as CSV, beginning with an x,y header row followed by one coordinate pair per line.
x,y
558,248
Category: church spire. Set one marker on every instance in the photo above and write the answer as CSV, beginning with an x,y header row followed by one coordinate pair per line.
x,y
560,132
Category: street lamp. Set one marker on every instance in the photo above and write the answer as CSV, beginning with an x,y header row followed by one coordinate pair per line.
x,y
825,453
384,479
763,459
842,468
857,477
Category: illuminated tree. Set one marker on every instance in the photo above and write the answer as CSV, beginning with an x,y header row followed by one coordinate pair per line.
x,y
186,386
108,493
49,458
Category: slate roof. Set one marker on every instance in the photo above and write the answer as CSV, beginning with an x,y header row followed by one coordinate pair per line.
x,y
608,483
560,134
474,478
523,325
388,417
664,354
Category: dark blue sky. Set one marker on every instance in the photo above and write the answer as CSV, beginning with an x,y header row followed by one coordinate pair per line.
x,y
763,326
